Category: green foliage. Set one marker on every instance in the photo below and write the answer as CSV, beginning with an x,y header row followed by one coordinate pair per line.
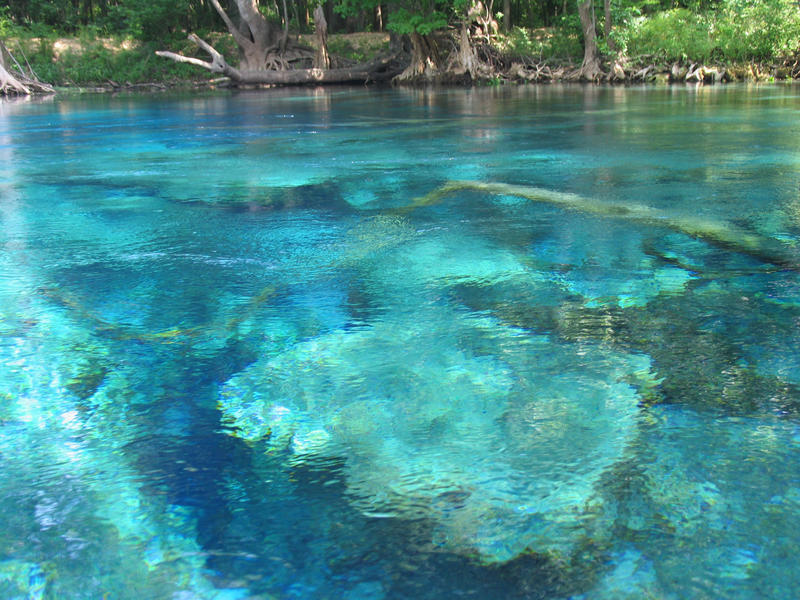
x,y
152,20
553,43
6,25
672,35
567,38
99,61
521,42
358,52
624,18
409,16
403,21
750,30
739,30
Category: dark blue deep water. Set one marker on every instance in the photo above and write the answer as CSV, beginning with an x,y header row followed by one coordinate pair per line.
x,y
521,343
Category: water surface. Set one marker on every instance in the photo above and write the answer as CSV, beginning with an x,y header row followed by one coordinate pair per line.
x,y
246,353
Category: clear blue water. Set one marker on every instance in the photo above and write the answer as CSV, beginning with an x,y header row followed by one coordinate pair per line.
x,y
244,353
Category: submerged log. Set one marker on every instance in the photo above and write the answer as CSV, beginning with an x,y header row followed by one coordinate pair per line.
x,y
718,233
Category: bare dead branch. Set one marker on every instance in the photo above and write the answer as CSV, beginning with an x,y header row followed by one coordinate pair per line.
x,y
31,72
218,64
187,59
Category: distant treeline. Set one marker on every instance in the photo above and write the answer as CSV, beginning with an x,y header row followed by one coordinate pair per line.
x,y
153,19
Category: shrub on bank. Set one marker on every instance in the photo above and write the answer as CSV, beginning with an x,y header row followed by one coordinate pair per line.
x,y
90,59
737,31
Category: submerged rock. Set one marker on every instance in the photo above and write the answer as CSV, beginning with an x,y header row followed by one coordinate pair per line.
x,y
496,435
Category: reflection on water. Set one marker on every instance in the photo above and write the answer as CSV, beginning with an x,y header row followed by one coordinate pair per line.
x,y
244,357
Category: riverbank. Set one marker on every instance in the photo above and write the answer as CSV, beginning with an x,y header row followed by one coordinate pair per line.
x,y
106,64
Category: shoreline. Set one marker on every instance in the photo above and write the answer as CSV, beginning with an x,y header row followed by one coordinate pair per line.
x,y
506,69
517,74
217,85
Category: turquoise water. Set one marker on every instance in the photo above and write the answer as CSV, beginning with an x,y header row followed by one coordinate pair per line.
x,y
251,348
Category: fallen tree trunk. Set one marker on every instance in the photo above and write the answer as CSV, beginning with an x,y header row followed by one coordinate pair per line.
x,y
374,71
719,233
299,76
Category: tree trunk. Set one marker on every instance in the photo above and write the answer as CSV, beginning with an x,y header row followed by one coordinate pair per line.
x,y
256,37
506,15
465,60
285,36
321,60
11,85
607,24
425,62
266,52
590,68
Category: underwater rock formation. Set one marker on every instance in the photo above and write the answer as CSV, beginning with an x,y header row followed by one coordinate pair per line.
x,y
496,435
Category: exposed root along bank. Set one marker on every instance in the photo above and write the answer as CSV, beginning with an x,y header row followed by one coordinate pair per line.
x,y
15,80
465,53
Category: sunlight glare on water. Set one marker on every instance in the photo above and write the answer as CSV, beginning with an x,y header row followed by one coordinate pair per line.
x,y
362,344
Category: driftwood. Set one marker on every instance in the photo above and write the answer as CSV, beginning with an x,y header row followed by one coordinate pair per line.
x,y
719,233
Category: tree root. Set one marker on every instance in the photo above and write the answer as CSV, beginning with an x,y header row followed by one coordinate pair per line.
x,y
718,233
16,81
